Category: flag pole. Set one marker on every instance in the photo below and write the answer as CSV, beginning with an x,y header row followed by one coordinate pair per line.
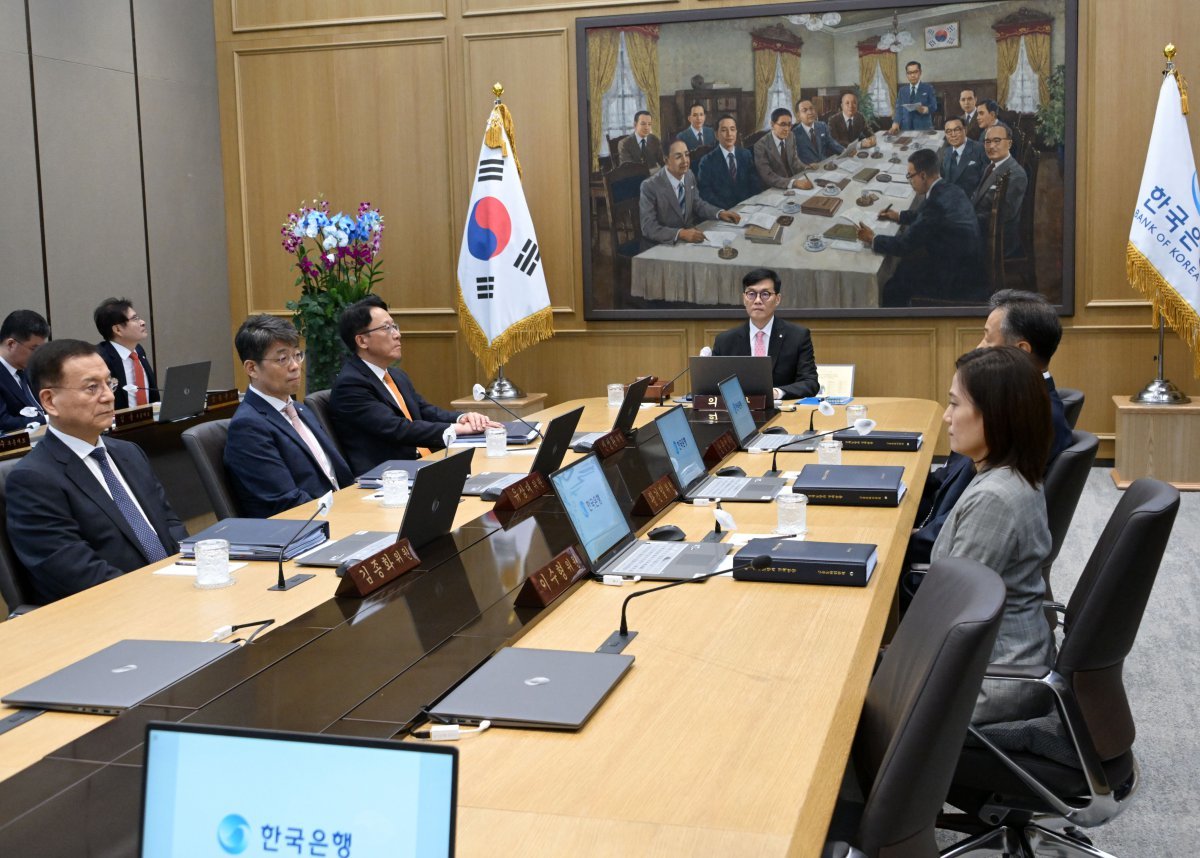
x,y
501,387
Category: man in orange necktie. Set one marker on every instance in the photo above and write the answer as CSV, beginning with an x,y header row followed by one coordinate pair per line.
x,y
124,331
377,413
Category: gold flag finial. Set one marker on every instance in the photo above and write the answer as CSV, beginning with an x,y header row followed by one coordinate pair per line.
x,y
1169,52
498,88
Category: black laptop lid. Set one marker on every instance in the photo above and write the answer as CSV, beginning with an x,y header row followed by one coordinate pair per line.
x,y
631,404
434,498
185,389
555,443
754,373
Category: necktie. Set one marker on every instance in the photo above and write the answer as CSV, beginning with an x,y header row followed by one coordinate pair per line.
x,y
310,440
139,378
760,347
986,175
24,382
782,153
812,135
643,145
954,160
732,167
151,545
682,209
912,91
390,384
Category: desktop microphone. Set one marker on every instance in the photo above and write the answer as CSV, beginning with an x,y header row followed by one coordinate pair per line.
x,y
448,438
825,408
480,393
324,503
863,426
704,352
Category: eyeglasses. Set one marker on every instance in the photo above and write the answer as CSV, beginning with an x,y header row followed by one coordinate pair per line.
x,y
784,123
134,318
95,388
297,357
909,176
390,327
765,295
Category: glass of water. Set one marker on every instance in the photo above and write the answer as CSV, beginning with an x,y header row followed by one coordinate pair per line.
x,y
496,439
212,564
395,488
829,451
616,395
855,412
792,513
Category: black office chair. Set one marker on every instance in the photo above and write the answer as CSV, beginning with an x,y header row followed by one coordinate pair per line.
x,y
1065,479
1072,401
319,403
1076,764
206,445
916,713
12,587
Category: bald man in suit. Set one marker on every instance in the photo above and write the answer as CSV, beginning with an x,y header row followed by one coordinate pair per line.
x,y
671,205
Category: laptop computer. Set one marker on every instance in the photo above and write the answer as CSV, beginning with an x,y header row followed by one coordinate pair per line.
x,y
117,677
541,688
254,791
690,474
745,431
185,388
582,442
549,456
609,543
753,372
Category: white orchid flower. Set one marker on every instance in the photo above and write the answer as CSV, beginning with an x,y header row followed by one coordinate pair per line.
x,y
329,243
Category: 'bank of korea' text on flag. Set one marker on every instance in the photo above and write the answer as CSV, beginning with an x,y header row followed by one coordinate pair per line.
x,y
504,306
1163,253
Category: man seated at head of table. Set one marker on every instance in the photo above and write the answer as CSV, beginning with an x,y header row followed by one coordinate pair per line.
x,y
122,333
794,371
939,249
671,206
376,411
727,174
848,125
814,144
277,456
775,156
82,509
22,333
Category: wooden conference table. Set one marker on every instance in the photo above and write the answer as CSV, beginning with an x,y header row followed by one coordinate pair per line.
x,y
728,737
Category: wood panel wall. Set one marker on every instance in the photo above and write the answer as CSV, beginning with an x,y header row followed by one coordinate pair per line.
x,y
385,100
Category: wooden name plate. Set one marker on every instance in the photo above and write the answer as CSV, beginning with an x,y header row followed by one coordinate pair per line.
x,y
380,568
133,417
11,445
719,449
712,402
523,491
656,497
552,580
608,444
217,398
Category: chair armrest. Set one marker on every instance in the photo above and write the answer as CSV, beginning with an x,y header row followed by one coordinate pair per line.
x,y
1019,672
1057,607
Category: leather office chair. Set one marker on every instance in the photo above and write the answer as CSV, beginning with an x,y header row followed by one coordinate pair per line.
x,y
750,139
1072,401
622,196
993,241
12,587
917,710
319,403
206,445
1065,479
695,155
1075,766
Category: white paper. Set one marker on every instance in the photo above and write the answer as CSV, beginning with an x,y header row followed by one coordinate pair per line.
x,y
899,192
189,571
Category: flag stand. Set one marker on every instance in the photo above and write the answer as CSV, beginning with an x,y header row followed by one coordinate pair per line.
x,y
1160,391
504,388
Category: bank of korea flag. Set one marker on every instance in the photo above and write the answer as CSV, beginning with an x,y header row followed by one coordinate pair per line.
x,y
1163,254
503,303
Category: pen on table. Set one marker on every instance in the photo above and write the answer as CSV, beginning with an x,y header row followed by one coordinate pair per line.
x,y
185,562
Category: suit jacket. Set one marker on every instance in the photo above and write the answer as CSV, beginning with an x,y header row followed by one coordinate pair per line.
x,y
12,400
910,120
270,468
116,368
794,370
370,424
774,170
971,164
826,147
661,216
985,193
846,134
971,123
718,187
688,136
66,530
629,152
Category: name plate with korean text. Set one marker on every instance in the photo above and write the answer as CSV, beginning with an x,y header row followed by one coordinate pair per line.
x,y
611,443
14,444
552,580
217,398
382,567
713,402
719,449
656,497
133,416
523,491
656,390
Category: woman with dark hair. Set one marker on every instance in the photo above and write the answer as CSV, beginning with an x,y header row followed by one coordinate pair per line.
x,y
999,416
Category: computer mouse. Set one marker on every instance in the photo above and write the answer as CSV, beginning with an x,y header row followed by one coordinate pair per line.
x,y
666,533
774,430
731,471
491,493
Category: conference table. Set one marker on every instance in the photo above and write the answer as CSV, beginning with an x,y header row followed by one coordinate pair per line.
x,y
729,736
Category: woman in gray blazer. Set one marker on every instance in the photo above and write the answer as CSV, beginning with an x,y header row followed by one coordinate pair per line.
x,y
999,416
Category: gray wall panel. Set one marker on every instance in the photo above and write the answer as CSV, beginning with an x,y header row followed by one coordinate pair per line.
x,y
176,41
12,26
20,232
90,32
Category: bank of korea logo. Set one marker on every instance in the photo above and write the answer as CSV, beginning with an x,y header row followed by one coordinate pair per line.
x,y
488,229
233,834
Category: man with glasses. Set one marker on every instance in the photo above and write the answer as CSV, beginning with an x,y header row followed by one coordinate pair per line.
x,y
915,102
775,155
21,334
961,158
82,509
377,413
277,455
997,145
122,333
794,369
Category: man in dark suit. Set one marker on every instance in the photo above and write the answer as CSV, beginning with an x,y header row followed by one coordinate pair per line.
x,y
970,115
277,455
377,413
82,510
794,369
123,331
697,134
670,205
775,156
727,174
997,145
962,159
641,147
915,92
22,333
848,125
939,249
812,139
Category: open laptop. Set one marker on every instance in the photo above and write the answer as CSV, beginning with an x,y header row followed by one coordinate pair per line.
x,y
687,466
184,390
540,688
549,456
117,677
607,540
745,431
582,442
753,372
251,792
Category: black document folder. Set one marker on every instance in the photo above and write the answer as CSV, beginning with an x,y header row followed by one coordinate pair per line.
x,y
261,538
851,485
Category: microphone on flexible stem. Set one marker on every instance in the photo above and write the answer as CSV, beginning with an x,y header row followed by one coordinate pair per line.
x,y
324,503
479,392
863,426
448,438
704,352
619,639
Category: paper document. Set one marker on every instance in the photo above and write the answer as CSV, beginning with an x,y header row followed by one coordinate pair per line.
x,y
899,192
766,219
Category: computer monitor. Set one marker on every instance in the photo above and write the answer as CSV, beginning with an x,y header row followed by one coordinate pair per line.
x,y
739,410
680,444
254,791
591,506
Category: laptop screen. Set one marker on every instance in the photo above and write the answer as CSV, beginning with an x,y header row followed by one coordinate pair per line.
x,y
739,411
257,792
681,447
591,505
